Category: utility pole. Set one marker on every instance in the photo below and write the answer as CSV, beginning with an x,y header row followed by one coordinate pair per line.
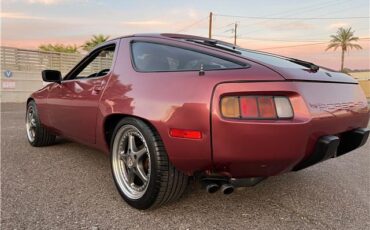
x,y
210,25
235,31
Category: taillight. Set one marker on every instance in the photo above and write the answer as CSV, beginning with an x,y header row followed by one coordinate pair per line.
x,y
256,107
266,107
283,107
230,107
249,106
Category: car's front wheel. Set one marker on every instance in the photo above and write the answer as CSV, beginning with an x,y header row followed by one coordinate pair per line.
x,y
141,170
37,135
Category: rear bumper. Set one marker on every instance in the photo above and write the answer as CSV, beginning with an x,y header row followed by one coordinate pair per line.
x,y
333,146
275,149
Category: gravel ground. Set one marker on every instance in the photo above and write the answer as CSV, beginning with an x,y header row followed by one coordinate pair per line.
x,y
69,186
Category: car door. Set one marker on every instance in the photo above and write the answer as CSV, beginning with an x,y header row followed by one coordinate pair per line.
x,y
73,104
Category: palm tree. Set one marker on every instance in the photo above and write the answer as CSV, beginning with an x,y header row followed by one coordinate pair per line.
x,y
94,41
343,39
60,48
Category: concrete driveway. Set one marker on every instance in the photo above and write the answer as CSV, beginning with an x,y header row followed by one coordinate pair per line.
x,y
69,186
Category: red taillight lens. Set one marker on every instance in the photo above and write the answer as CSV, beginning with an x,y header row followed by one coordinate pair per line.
x,y
267,107
256,107
190,134
249,107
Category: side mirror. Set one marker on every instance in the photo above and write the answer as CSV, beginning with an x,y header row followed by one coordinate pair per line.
x,y
52,76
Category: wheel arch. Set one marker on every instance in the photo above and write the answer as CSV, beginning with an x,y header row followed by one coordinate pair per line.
x,y
111,121
29,100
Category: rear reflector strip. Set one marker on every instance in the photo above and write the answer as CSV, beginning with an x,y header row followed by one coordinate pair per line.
x,y
182,133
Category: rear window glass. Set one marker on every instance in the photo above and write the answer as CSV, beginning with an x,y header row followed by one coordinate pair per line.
x,y
270,59
152,57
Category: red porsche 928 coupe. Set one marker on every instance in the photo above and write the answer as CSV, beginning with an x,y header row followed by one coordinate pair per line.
x,y
167,107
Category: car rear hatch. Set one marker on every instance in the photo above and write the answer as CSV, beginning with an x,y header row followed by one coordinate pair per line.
x,y
322,75
326,92
295,69
325,102
288,68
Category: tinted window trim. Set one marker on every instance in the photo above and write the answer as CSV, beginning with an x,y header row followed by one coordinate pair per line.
x,y
242,64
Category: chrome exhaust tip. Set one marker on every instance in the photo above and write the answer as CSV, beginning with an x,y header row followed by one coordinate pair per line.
x,y
212,188
227,189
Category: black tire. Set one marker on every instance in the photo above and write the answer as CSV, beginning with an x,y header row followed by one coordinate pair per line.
x,y
42,137
166,183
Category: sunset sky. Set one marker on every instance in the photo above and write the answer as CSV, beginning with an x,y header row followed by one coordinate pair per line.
x,y
29,23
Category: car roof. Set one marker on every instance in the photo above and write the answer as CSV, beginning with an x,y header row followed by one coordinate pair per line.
x,y
167,35
173,36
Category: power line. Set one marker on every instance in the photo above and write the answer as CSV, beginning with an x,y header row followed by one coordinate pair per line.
x,y
289,18
281,47
265,19
223,36
224,26
297,39
311,44
290,23
284,40
276,40
317,42
311,8
191,25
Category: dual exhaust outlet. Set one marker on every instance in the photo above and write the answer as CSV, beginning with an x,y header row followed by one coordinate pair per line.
x,y
226,189
227,185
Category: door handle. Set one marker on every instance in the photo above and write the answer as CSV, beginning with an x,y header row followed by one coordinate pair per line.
x,y
97,89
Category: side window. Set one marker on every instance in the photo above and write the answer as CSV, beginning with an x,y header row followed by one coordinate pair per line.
x,y
152,57
98,64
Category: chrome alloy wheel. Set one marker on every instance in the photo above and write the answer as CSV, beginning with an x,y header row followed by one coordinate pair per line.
x,y
31,124
131,161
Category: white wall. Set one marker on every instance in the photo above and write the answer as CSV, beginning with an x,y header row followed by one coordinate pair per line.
x,y
25,83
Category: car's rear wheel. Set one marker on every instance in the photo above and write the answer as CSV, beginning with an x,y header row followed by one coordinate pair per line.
x,y
37,135
141,170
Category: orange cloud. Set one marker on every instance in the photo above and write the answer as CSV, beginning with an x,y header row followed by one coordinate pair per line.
x,y
295,25
35,43
47,2
145,23
338,24
52,2
18,15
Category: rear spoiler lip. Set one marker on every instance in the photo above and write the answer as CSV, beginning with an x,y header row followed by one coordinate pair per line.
x,y
321,81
